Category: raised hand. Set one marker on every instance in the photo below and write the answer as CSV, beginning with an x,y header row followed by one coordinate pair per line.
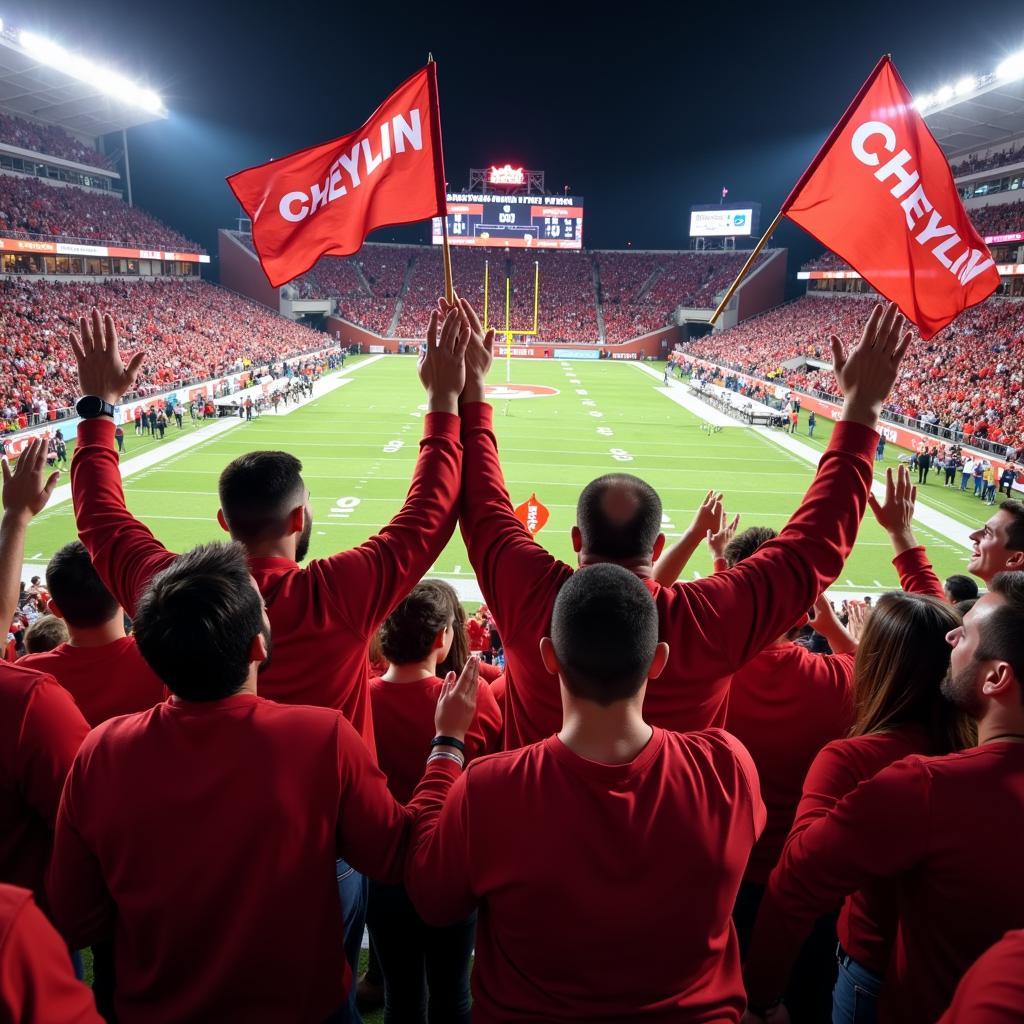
x,y
867,371
859,613
456,704
27,488
100,369
479,354
442,363
828,625
896,514
710,515
718,540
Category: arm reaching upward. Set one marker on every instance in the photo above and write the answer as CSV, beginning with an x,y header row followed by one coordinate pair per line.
x,y
125,553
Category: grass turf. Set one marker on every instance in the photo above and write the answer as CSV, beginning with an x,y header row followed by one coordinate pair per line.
x,y
358,446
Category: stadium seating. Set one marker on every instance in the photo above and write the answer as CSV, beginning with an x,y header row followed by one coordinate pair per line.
x,y
189,330
31,206
50,141
967,378
974,163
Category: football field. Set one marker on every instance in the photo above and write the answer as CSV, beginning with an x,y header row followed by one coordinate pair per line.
x,y
358,445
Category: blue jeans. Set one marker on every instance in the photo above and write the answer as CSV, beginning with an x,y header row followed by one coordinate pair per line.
x,y
979,483
964,477
352,890
855,997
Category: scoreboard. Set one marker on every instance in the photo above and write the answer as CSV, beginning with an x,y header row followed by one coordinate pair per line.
x,y
516,222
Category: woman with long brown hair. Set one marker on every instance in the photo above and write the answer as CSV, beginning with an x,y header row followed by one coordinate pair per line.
x,y
902,658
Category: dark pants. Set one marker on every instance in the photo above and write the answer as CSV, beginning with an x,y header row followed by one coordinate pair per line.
x,y
922,473
426,970
352,891
950,477
808,996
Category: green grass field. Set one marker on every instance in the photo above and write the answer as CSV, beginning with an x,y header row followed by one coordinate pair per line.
x,y
359,443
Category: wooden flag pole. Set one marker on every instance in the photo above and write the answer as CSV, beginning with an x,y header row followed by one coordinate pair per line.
x,y
446,252
755,252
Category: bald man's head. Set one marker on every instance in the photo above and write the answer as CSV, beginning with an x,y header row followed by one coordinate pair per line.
x,y
619,517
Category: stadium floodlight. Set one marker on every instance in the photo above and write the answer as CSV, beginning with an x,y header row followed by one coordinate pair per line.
x,y
922,101
1012,68
966,84
944,94
46,51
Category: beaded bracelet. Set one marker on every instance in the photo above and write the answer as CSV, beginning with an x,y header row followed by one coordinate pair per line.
x,y
447,755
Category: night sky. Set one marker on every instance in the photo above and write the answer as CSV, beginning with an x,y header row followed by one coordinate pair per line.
x,y
642,113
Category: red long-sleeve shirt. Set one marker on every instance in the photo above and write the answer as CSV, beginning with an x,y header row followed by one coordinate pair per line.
x,y
785,704
992,991
202,839
605,891
40,733
105,681
37,985
403,717
949,830
867,923
713,625
322,616
916,573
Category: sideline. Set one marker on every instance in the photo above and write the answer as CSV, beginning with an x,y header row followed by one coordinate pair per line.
x,y
690,403
939,522
179,446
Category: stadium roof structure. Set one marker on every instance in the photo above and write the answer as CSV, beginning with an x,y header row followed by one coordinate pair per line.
x,y
47,84
978,112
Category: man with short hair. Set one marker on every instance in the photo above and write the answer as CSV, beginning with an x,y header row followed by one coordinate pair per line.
x,y
716,624
560,842
201,836
99,665
959,588
948,830
323,615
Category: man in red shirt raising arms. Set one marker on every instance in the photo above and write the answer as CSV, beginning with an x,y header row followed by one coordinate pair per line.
x,y
611,836
201,835
323,615
948,830
714,625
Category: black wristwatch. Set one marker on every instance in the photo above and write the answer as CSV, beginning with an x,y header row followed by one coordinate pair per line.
x,y
91,406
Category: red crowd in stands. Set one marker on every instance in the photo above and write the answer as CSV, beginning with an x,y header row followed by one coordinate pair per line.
x,y
676,777
49,140
192,330
967,379
976,162
31,206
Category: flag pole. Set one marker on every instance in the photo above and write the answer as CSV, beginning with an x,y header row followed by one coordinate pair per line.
x,y
449,289
812,167
754,253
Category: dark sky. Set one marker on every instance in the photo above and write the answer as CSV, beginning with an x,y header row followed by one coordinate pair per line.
x,y
643,110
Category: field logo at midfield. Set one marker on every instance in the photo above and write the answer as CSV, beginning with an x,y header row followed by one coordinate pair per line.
x,y
503,392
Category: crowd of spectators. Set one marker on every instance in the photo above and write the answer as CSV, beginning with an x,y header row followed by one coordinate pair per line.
x,y
190,331
49,140
1013,153
32,206
994,219
227,765
966,381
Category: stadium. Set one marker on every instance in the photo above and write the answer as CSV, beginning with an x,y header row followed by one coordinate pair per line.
x,y
706,370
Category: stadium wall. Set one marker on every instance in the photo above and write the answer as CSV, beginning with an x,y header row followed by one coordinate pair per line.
x,y
902,437
241,272
655,345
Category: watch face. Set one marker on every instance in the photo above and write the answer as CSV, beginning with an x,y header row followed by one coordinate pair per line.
x,y
89,405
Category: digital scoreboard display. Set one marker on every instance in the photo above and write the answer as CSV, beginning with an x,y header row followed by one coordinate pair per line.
x,y
516,222
717,222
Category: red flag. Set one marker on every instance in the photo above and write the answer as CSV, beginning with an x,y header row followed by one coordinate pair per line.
x,y
532,514
328,198
880,194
